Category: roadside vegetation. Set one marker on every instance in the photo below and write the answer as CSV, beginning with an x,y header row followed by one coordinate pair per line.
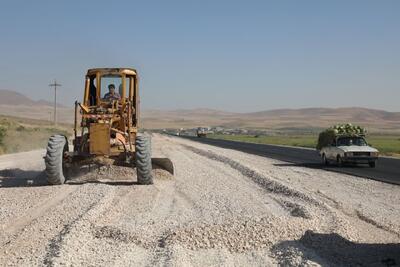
x,y
18,134
387,144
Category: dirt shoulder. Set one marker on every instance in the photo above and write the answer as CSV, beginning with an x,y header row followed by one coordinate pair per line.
x,y
21,134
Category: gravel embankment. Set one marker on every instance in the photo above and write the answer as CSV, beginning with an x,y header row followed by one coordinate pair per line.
x,y
221,208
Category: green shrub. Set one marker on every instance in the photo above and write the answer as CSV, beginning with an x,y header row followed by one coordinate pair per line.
x,y
20,128
325,138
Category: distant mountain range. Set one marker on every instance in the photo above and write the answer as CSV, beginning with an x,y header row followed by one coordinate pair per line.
x,y
16,104
279,118
8,97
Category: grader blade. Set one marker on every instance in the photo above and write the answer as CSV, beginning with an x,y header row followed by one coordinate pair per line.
x,y
163,163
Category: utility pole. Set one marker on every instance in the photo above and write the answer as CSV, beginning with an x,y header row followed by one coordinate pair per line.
x,y
55,84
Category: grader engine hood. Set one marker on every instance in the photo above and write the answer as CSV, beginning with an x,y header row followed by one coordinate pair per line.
x,y
99,139
105,140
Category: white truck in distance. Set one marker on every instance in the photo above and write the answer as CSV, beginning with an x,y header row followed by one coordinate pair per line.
x,y
202,132
349,149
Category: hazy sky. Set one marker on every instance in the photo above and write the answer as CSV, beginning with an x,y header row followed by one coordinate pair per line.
x,y
230,55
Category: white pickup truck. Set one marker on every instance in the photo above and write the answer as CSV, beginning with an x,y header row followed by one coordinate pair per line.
x,y
349,149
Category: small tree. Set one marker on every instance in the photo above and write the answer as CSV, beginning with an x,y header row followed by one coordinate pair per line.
x,y
2,134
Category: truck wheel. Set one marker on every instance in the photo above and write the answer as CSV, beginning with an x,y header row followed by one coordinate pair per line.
x,y
143,160
340,162
54,159
372,164
325,160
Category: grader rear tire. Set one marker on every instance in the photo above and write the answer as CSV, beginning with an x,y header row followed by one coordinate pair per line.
x,y
54,158
143,160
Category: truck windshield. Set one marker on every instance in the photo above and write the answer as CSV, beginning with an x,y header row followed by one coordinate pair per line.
x,y
351,141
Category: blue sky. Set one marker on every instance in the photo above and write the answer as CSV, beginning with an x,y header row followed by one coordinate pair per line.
x,y
230,55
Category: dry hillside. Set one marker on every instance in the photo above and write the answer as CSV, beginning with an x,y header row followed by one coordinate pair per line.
x,y
283,118
15,104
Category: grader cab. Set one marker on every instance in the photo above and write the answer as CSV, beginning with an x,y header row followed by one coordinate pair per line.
x,y
108,130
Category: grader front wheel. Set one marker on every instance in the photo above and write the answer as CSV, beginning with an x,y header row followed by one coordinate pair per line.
x,y
54,159
143,160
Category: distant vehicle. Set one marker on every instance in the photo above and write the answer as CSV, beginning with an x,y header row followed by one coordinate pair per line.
x,y
341,146
202,132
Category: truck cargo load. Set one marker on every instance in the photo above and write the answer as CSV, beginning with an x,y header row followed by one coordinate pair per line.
x,y
326,137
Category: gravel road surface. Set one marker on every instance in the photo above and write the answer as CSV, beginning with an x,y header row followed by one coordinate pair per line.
x,y
222,208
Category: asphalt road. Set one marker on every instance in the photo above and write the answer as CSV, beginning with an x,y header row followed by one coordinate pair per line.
x,y
387,169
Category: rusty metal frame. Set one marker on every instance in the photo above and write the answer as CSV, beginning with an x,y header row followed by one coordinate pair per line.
x,y
112,71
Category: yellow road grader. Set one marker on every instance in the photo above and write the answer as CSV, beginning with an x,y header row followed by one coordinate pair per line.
x,y
108,129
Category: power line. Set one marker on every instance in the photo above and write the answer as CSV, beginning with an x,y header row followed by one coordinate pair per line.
x,y
55,84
